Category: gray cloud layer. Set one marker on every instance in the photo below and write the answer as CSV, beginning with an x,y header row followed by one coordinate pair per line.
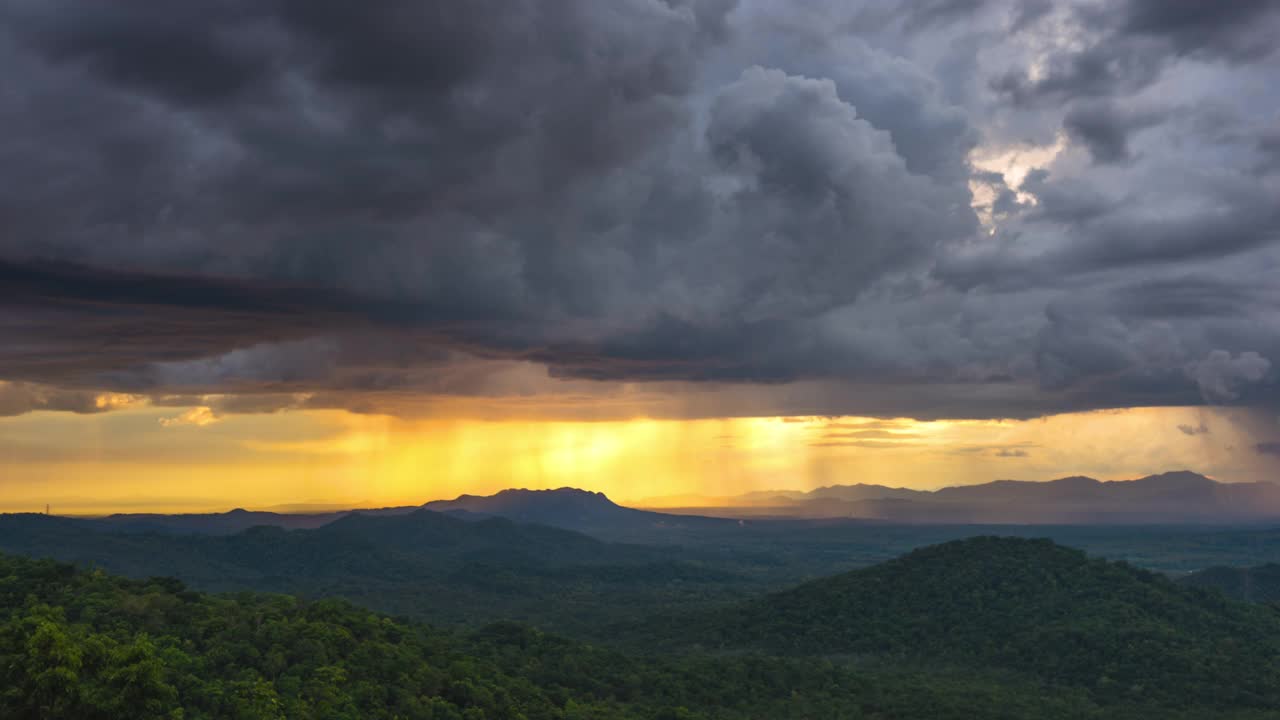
x,y
365,202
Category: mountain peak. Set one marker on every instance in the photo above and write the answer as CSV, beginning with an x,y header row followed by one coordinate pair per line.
x,y
564,507
560,492
1076,481
553,507
530,495
1181,478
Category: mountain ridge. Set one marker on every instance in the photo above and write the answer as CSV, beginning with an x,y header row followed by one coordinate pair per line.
x,y
572,508
1179,496
1175,497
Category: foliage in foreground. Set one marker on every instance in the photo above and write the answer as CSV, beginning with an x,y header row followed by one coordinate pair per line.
x,y
77,644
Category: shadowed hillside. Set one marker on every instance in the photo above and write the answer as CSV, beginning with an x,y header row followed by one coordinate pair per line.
x,y
1256,584
423,564
1027,605
90,646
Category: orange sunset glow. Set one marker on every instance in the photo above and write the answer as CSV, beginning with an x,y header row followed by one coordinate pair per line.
x,y
142,459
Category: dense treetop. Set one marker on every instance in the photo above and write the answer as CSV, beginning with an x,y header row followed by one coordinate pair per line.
x,y
1259,584
988,627
87,645
1026,605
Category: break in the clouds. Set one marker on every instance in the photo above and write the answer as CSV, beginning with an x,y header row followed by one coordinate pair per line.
x,y
963,209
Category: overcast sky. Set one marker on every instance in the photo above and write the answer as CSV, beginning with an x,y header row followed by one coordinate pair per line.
x,y
934,209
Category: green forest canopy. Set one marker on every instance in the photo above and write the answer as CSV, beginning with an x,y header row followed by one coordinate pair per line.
x,y
85,644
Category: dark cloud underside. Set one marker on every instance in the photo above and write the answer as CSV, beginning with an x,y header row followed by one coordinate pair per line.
x,y
363,204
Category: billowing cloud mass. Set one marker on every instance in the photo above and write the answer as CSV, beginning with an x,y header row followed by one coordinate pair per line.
x,y
928,209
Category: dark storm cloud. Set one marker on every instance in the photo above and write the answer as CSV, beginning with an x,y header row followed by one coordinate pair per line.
x,y
1238,30
920,15
1220,375
75,324
255,206
1195,296
196,53
1268,448
1109,66
225,404
1105,128
54,284
1268,141
1128,44
1161,343
17,398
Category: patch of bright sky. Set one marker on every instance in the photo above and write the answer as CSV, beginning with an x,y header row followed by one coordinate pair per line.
x,y
128,460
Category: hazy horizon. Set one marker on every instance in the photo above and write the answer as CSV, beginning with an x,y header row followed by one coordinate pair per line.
x,y
98,507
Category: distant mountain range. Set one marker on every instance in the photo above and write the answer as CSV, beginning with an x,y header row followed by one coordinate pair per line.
x,y
1172,497
568,508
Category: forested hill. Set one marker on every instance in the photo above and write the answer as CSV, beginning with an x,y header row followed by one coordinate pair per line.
x,y
1027,605
423,564
88,646
422,542
1255,584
